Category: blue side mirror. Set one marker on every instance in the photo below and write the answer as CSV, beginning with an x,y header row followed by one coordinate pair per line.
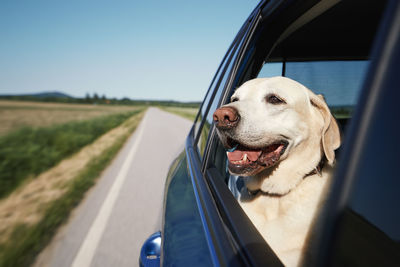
x,y
151,251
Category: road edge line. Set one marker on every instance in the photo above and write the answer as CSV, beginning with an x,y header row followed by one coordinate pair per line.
x,y
86,251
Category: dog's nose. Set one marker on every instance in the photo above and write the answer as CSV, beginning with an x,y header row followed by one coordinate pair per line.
x,y
226,117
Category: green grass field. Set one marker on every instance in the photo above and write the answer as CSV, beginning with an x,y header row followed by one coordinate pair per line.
x,y
29,151
27,240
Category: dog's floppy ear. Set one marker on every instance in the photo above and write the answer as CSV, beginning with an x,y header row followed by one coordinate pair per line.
x,y
330,132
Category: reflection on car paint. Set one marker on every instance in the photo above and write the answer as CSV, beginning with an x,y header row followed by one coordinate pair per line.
x,y
183,229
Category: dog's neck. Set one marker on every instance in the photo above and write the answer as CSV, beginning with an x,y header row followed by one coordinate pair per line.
x,y
316,171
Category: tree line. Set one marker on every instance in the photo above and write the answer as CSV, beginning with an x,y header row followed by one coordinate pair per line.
x,y
100,100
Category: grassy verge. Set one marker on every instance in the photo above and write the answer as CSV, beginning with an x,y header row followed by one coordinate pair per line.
x,y
188,113
15,115
26,241
30,151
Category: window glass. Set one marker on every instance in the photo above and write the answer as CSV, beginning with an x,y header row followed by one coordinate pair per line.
x,y
209,94
339,81
202,139
271,69
205,129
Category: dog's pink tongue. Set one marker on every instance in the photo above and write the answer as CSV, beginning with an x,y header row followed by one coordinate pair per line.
x,y
239,155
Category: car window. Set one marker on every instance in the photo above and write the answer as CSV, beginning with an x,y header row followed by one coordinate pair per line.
x,y
332,63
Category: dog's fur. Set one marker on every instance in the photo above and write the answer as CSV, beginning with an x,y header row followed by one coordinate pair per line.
x,y
291,189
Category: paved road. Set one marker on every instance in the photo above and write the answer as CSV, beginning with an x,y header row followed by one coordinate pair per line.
x,y
125,206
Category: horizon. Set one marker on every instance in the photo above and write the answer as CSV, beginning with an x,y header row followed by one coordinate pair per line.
x,y
38,95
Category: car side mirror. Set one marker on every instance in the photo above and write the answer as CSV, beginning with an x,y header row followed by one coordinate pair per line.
x,y
151,251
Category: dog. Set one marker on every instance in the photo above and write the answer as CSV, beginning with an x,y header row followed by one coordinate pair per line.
x,y
281,137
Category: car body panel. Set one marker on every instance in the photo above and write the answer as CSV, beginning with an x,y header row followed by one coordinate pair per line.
x,y
184,242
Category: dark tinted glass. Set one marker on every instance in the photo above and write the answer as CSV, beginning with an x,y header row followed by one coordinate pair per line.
x,y
339,81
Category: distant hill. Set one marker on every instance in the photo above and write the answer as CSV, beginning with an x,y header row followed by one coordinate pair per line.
x,y
53,94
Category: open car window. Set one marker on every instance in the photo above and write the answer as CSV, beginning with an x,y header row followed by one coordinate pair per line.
x,y
319,53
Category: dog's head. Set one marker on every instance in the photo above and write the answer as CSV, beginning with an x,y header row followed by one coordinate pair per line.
x,y
275,120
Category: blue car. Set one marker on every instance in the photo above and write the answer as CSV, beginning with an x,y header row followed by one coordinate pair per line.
x,y
347,50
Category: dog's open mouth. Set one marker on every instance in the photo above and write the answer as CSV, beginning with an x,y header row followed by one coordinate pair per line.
x,y
249,161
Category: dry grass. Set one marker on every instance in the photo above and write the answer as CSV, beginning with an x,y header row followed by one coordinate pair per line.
x,y
17,114
27,205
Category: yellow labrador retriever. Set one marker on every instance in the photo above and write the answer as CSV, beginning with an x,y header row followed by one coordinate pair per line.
x,y
282,137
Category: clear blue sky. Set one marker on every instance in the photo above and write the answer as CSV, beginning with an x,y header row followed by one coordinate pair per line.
x,y
138,49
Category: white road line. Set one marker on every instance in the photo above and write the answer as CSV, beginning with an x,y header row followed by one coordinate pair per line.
x,y
86,252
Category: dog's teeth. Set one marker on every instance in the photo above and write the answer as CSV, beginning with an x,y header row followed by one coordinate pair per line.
x,y
245,157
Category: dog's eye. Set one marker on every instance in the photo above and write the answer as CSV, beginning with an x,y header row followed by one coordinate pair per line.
x,y
234,99
274,99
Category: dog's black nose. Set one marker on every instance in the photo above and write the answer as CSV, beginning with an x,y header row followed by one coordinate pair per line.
x,y
226,117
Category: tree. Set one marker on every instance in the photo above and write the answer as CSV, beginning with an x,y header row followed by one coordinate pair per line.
x,y
87,98
95,97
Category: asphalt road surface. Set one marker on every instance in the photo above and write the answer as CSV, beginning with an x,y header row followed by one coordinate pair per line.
x,y
125,206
